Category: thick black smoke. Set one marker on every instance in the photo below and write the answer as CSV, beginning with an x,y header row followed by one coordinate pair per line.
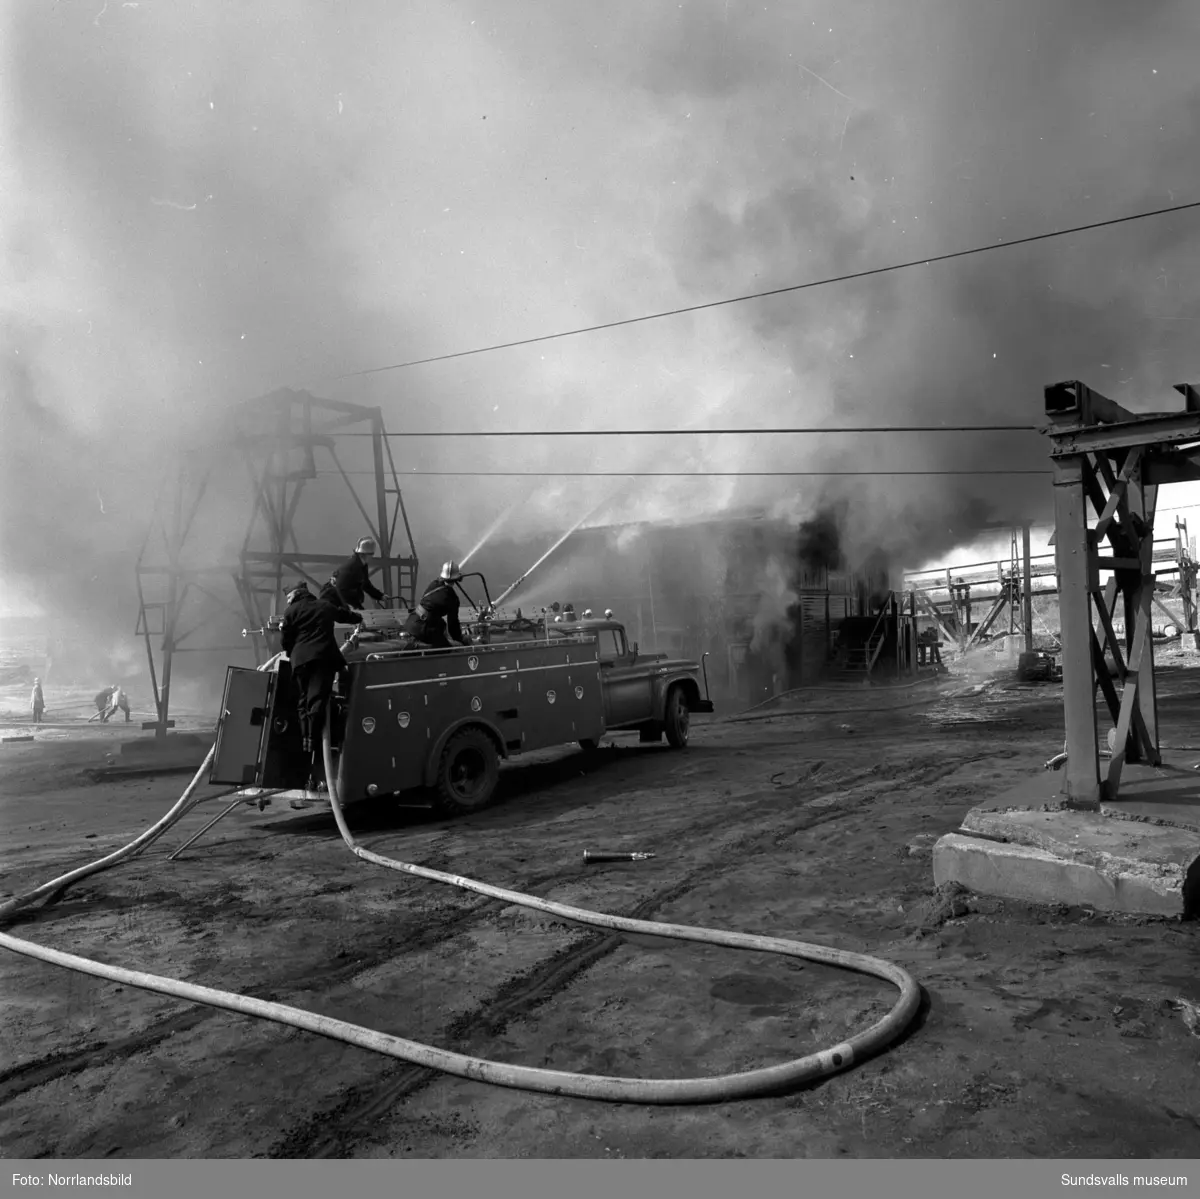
x,y
200,204
819,546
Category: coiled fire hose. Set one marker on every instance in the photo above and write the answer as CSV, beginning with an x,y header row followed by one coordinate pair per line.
x,y
721,1088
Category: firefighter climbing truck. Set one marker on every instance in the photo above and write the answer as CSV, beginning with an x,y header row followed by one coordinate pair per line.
x,y
440,721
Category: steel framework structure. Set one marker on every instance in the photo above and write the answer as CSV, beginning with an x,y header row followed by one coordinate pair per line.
x,y
277,439
1114,461
952,617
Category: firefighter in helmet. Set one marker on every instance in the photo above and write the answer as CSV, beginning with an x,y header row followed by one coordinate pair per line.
x,y
351,582
313,653
433,623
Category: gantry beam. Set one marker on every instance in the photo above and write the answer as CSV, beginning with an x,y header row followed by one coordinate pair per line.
x,y
1108,464
280,441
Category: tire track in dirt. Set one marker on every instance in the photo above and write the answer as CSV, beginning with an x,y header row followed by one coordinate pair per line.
x,y
441,928
338,1131
436,929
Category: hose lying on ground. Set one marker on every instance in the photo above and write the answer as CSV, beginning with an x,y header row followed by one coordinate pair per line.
x,y
182,807
726,1087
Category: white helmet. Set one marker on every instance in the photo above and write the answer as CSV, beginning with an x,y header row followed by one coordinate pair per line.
x,y
367,547
450,572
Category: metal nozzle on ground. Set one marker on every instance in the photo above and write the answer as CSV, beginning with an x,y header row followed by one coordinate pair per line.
x,y
589,856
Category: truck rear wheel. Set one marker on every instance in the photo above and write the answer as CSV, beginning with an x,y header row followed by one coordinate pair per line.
x,y
588,745
467,773
677,719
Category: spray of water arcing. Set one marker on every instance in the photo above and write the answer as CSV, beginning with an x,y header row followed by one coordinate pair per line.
x,y
492,529
550,586
586,516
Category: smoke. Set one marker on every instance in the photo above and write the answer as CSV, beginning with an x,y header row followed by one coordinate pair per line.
x,y
201,204
819,541
772,620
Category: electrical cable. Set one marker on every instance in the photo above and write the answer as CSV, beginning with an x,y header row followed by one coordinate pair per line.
x,y
707,432
684,474
776,291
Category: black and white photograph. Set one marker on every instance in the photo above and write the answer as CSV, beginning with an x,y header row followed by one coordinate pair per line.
x,y
589,582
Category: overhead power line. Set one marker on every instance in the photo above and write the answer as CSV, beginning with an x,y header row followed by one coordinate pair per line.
x,y
707,432
674,474
775,291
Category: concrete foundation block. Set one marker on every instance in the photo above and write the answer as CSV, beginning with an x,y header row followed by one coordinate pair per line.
x,y
1025,872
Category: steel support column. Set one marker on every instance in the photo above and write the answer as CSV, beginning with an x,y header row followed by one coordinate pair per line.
x,y
1073,559
1027,589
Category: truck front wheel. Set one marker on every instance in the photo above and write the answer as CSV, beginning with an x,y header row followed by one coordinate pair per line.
x,y
677,719
467,773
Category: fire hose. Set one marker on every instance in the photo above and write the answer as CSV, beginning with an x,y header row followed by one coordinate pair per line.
x,y
722,1088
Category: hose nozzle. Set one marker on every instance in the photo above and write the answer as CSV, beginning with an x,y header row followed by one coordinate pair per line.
x,y
589,857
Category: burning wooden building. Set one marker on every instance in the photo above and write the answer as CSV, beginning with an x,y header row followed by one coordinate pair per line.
x,y
764,599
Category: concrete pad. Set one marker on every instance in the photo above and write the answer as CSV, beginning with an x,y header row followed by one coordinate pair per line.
x,y
1010,871
1140,853
1092,838
1167,794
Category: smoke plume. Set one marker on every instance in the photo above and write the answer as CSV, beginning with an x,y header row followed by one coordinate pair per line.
x,y
201,204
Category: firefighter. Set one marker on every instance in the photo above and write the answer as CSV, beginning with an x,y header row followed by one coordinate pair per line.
x,y
351,582
37,702
316,661
101,702
117,701
433,623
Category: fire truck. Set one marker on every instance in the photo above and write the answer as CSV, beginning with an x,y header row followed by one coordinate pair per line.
x,y
441,721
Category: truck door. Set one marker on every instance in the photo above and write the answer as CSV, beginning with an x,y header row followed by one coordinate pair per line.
x,y
628,697
241,727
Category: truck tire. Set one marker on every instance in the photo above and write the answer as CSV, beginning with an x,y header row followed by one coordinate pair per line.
x,y
467,773
588,745
677,719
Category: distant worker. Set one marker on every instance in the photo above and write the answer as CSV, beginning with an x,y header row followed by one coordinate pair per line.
x,y
351,583
36,702
316,661
932,644
433,623
117,701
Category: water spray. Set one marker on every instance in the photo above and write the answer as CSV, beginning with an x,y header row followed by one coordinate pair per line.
x,y
491,531
513,586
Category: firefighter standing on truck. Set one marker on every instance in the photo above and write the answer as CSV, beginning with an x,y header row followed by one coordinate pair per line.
x,y
433,623
316,661
351,583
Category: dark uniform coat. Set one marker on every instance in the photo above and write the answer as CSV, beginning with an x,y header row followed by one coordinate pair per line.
x,y
307,631
352,581
435,616
315,657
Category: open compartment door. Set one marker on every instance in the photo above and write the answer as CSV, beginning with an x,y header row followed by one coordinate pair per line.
x,y
241,727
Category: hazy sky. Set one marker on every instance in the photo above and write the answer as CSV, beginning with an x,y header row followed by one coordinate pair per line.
x,y
203,202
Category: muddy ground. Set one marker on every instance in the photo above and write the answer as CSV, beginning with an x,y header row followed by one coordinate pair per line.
x,y
1044,1032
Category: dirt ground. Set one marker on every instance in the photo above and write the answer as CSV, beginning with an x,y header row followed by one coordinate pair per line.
x,y
1044,1032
